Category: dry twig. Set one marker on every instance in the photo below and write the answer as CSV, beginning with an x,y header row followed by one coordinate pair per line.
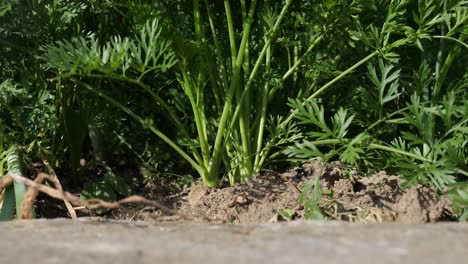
x,y
58,185
2,196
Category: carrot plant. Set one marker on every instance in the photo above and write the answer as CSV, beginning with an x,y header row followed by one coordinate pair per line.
x,y
409,113
377,84
224,69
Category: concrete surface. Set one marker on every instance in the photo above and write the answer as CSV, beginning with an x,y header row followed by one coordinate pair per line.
x,y
90,241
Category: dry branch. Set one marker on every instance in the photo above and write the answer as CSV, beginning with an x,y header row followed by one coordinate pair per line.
x,y
58,185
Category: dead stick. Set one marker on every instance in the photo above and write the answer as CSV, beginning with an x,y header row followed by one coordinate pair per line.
x,y
2,195
30,197
5,182
58,185
290,183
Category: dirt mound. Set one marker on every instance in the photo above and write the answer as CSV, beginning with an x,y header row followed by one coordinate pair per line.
x,y
379,197
254,202
375,198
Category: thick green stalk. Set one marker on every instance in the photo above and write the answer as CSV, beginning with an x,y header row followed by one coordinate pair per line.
x,y
246,34
244,129
196,100
220,59
296,61
259,61
445,68
264,155
197,21
232,33
244,117
246,65
198,113
267,44
240,106
263,112
235,82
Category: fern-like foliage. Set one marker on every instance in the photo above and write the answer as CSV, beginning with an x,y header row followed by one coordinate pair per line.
x,y
415,126
147,52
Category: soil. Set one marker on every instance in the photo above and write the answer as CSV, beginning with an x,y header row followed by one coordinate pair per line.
x,y
264,199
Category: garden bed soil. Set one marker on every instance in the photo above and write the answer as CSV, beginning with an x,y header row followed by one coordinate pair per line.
x,y
375,198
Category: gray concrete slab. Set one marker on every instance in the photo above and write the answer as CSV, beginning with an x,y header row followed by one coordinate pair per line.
x,y
89,241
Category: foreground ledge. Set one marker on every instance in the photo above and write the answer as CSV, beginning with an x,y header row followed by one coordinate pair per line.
x,y
91,241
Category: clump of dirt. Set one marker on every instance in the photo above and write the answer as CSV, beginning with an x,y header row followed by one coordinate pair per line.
x,y
375,198
257,201
380,197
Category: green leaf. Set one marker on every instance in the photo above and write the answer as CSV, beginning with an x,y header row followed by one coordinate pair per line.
x,y
8,205
4,8
20,191
287,214
458,193
305,150
14,167
387,85
310,198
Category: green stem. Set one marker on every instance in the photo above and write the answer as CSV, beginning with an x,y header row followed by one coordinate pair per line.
x,y
232,36
244,22
258,63
240,106
244,117
157,98
454,39
385,118
219,56
372,146
399,151
445,68
235,82
197,21
263,112
167,109
199,118
330,83
201,170
299,61
323,88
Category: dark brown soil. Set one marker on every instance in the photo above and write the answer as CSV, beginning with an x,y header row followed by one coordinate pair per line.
x,y
376,198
